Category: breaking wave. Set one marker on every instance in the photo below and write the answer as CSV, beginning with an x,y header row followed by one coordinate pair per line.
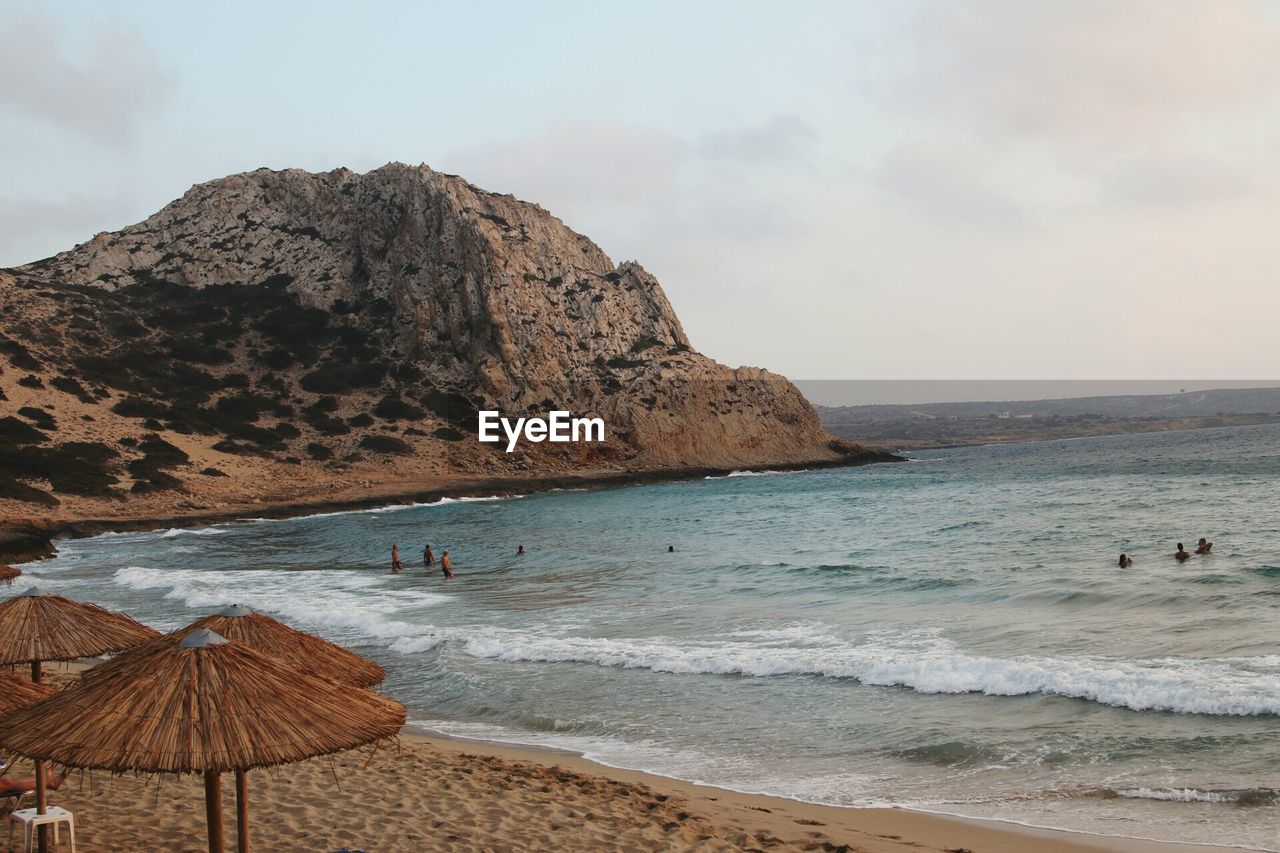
x,y
1217,687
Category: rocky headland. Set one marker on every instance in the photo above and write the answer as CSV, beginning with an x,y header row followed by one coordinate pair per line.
x,y
283,341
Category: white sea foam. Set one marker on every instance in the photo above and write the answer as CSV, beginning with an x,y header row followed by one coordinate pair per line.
x,y
925,665
327,599
691,765
378,510
191,531
1176,795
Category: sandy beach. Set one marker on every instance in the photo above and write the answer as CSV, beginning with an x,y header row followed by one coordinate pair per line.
x,y
430,792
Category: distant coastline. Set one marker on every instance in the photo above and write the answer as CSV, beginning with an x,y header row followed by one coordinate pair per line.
x,y
939,434
964,424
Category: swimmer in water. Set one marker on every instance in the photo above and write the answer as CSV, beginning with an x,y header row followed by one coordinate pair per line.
x,y
428,559
671,549
1204,546
396,565
446,565
1181,554
1125,561
520,551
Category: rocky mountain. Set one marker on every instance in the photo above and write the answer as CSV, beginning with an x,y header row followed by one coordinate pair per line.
x,y
289,336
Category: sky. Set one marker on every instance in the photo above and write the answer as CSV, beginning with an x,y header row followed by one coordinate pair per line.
x,y
968,189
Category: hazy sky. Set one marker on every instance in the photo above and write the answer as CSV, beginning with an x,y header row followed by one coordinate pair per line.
x,y
999,189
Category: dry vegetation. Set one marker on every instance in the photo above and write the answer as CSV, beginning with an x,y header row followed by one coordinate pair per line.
x,y
162,393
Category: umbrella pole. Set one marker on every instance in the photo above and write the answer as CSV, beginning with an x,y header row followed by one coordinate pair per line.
x,y
242,811
42,800
42,806
213,809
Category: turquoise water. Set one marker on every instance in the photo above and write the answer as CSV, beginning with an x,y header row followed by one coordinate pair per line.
x,y
952,633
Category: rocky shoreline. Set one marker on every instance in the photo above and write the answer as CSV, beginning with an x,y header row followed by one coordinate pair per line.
x,y
27,540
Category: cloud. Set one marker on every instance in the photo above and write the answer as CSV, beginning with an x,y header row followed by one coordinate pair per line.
x,y
580,160
632,187
779,139
103,92
949,179
1087,70
1171,178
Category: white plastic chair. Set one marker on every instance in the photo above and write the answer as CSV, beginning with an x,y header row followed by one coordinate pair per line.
x,y
31,819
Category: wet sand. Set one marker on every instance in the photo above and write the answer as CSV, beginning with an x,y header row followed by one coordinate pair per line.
x,y
428,792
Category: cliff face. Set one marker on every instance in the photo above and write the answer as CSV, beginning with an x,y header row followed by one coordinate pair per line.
x,y
369,316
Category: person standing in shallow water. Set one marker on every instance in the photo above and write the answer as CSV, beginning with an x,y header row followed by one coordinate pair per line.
x,y
1181,554
396,565
446,565
428,559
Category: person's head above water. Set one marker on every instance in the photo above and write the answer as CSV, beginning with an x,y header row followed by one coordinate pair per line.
x,y
670,548
1180,548
1203,540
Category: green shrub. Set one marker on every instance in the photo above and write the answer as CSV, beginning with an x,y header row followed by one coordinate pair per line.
x,y
137,407
39,417
392,408
15,490
70,386
386,444
19,356
325,404
326,425
15,432
339,377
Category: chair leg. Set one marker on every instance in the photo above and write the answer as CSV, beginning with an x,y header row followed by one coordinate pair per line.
x,y
71,831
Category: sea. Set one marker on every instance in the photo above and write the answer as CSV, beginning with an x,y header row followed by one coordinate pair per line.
x,y
951,634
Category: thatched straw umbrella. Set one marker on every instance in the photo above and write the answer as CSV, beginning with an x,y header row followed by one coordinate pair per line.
x,y
16,692
305,652
8,573
204,705
35,627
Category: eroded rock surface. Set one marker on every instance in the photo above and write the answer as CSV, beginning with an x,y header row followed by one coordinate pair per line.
x,y
300,331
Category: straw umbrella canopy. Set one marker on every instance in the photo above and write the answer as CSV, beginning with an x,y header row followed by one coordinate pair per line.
x,y
17,692
204,705
304,652
8,573
36,627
